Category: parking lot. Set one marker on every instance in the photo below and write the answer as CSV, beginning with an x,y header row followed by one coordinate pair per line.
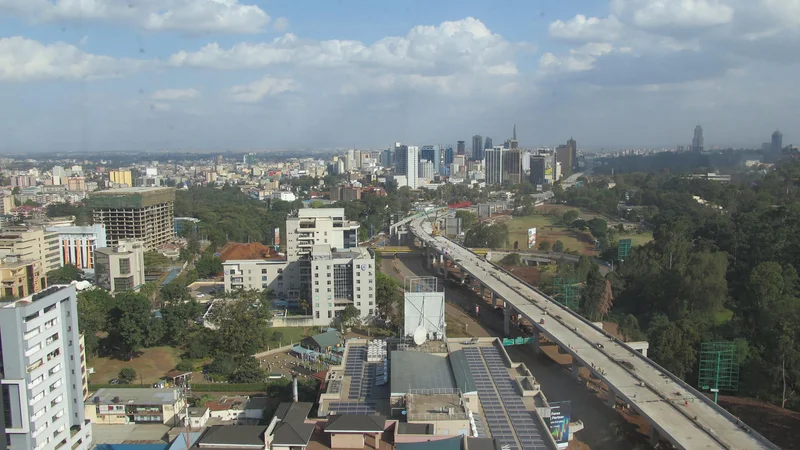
x,y
203,290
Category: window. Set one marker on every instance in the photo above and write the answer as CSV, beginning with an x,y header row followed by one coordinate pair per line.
x,y
263,278
316,290
280,270
358,303
263,270
330,314
316,283
124,266
370,303
358,296
32,316
329,289
49,308
316,314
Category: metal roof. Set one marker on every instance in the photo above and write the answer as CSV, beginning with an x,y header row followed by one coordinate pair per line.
x,y
461,372
138,396
444,444
418,370
356,424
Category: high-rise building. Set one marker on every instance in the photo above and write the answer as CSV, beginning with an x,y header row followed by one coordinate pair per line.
x,y
77,244
121,177
448,156
6,204
144,214
512,167
31,244
573,153
494,165
697,140
477,147
777,142
461,148
538,167
44,372
387,157
433,154
319,226
407,163
121,267
426,170
564,156
487,144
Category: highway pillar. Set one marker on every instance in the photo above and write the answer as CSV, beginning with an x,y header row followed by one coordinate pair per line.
x,y
611,400
506,321
535,341
428,257
653,435
494,299
463,276
576,366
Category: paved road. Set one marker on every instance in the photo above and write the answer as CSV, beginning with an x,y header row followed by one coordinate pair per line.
x,y
682,415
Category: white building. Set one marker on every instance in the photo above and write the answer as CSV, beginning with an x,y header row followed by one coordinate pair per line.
x,y
494,165
426,171
44,372
120,268
77,244
324,267
407,163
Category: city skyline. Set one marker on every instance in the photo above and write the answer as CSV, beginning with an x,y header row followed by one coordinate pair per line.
x,y
205,74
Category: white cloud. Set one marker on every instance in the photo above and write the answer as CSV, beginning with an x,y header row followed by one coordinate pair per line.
x,y
587,29
192,16
579,59
280,24
175,94
160,106
24,59
257,90
449,47
674,13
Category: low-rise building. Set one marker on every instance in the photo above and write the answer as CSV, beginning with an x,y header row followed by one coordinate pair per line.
x,y
21,278
135,405
120,268
78,244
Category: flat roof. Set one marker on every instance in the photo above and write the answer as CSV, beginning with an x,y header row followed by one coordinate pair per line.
x,y
231,435
130,190
430,372
146,396
461,372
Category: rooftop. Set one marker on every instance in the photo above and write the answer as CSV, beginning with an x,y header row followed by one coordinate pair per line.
x,y
293,412
436,374
131,190
355,424
327,339
220,436
146,396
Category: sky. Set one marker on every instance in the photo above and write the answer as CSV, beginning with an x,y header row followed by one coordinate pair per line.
x,y
137,75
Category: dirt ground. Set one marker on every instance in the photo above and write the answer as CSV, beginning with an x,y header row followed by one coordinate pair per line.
x,y
150,365
780,426
253,250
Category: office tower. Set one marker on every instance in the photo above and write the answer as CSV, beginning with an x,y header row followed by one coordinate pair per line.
x,y
477,147
407,163
144,214
494,165
431,153
426,170
461,148
31,244
573,153
448,156
44,372
319,226
121,177
512,167
697,140
514,133
121,267
487,144
387,157
77,244
538,166
777,142
564,156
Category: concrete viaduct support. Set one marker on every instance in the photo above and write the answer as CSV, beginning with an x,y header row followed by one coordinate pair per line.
x,y
535,340
428,257
507,321
653,435
612,399
576,366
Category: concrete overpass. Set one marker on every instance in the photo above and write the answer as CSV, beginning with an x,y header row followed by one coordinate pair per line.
x,y
677,412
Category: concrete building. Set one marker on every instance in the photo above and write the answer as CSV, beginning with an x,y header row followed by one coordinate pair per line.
x,y
6,204
432,153
144,214
564,157
76,184
426,171
121,177
512,167
477,147
461,148
407,163
538,167
120,268
319,226
573,154
31,244
345,193
77,244
21,278
44,372
120,406
494,165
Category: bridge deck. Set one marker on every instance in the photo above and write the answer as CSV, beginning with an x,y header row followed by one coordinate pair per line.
x,y
681,415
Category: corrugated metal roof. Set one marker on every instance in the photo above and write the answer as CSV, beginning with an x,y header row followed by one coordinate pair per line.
x,y
418,370
461,372
444,444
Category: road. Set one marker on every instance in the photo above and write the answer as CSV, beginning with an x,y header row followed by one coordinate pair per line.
x,y
679,413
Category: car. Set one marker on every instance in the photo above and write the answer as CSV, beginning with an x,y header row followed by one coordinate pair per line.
x,y
115,381
201,295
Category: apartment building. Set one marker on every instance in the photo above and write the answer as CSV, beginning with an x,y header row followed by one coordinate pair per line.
x,y
31,244
77,244
121,177
121,267
138,213
20,278
324,266
120,406
44,372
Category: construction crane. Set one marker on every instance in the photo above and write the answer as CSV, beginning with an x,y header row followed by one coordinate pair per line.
x,y
434,223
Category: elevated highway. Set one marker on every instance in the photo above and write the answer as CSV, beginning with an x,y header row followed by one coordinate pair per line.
x,y
677,412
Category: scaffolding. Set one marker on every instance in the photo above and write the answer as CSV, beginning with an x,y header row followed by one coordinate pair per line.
x,y
567,291
719,367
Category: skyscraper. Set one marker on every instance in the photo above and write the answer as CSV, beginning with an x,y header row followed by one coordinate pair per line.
x,y
573,153
564,156
477,147
514,133
488,144
140,213
512,167
431,153
407,163
777,142
494,165
697,140
538,166
461,148
448,157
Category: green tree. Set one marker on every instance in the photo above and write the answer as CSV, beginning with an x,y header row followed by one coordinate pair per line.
x,y
185,366
598,227
558,247
673,345
512,259
93,309
208,266
468,219
596,298
487,236
242,324
570,216
127,375
629,328
387,295
544,246
351,316
131,325
248,370
173,293
582,268
178,318
150,290
64,275
222,366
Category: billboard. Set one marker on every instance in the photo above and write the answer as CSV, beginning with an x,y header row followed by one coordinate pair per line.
x,y
560,413
277,238
531,237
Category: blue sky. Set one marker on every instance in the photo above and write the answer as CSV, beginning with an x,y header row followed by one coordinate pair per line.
x,y
237,74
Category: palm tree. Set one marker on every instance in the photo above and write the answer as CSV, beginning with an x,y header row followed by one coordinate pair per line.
x,y
304,306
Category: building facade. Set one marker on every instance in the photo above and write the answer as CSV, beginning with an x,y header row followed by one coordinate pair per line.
x,y
121,406
573,153
512,167
143,214
697,140
538,167
77,244
426,171
564,156
121,267
44,381
31,244
477,147
461,148
121,177
494,165
21,278
407,164
433,154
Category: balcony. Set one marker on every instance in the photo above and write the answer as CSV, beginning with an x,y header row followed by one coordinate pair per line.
x,y
35,365
32,333
31,351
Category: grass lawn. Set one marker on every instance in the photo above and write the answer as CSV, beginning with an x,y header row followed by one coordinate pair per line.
x,y
548,230
723,316
455,327
637,238
151,365
290,335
